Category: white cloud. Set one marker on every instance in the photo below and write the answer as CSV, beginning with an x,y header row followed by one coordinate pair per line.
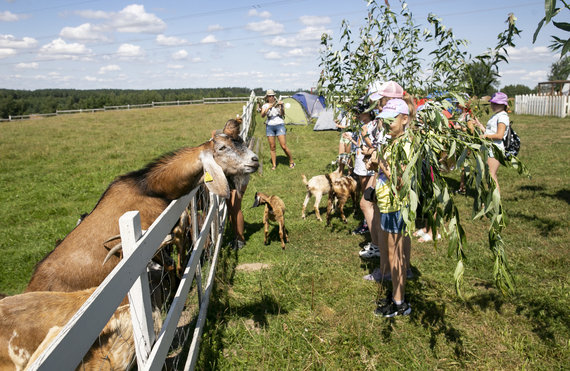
x,y
526,54
272,55
312,33
266,27
209,39
6,52
215,27
7,16
516,76
281,41
129,51
309,20
132,19
59,48
84,32
27,66
196,60
536,75
181,54
109,68
302,52
255,13
175,66
169,40
9,41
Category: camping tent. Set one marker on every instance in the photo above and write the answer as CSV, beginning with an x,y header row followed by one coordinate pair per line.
x,y
325,120
294,112
312,103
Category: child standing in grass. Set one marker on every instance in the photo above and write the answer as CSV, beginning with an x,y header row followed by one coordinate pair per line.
x,y
396,113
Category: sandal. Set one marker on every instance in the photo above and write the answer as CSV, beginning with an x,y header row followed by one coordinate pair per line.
x,y
292,165
427,237
273,168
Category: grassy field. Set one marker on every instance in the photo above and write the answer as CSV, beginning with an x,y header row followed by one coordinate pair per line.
x,y
309,308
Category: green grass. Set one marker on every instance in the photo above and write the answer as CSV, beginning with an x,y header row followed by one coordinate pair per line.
x,y
310,309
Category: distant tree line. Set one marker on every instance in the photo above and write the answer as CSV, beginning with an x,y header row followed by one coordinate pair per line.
x,y
25,102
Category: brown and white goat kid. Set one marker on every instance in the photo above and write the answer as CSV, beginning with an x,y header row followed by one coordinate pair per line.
x,y
29,322
76,263
341,189
318,186
275,212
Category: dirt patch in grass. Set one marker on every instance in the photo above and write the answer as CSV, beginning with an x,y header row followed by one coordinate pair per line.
x,y
252,267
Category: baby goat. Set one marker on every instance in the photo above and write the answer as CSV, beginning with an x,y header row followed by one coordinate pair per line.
x,y
274,211
318,186
341,189
76,263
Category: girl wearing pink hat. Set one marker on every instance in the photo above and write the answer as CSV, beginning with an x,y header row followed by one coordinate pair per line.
x,y
496,130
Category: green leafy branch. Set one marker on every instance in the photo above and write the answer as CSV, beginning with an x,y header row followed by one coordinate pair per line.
x,y
388,48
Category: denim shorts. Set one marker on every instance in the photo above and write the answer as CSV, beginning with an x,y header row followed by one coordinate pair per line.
x,y
392,222
275,130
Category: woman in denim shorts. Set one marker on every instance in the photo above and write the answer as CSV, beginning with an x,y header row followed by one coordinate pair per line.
x,y
275,126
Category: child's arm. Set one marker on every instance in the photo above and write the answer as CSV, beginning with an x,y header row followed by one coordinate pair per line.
x,y
501,128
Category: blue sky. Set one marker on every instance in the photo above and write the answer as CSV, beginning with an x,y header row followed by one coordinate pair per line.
x,y
93,44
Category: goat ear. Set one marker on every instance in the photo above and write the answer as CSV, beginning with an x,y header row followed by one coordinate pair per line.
x,y
214,176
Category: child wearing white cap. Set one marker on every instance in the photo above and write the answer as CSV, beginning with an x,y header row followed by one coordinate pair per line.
x,y
396,115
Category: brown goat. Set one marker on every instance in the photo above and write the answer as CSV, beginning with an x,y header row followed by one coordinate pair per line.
x,y
318,186
148,190
30,322
275,212
341,189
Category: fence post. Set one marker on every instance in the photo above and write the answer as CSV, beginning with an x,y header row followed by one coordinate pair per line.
x,y
139,294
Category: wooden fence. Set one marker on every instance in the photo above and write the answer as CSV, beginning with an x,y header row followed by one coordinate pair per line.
x,y
542,105
130,277
222,100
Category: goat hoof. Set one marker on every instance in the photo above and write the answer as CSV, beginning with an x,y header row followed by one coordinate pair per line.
x,y
266,243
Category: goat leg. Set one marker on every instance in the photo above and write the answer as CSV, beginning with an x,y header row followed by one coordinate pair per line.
x,y
317,202
307,197
266,238
281,234
341,203
330,208
266,226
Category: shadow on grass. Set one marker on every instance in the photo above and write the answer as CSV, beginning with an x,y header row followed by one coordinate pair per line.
x,y
250,229
221,312
430,314
562,194
545,226
544,313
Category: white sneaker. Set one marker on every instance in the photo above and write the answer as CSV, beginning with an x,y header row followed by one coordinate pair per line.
x,y
370,251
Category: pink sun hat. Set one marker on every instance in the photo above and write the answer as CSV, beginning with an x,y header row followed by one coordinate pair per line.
x,y
500,98
390,89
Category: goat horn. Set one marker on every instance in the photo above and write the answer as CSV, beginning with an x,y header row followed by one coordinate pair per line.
x,y
112,238
112,252
168,239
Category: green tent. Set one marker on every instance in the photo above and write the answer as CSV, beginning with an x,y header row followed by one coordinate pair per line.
x,y
295,114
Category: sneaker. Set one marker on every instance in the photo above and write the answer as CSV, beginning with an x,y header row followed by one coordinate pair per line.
x,y
376,275
361,229
371,251
392,310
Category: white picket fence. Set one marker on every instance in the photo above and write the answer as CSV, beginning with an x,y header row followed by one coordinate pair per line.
x,y
542,105
130,277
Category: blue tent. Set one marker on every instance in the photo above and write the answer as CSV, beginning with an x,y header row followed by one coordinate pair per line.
x,y
312,103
